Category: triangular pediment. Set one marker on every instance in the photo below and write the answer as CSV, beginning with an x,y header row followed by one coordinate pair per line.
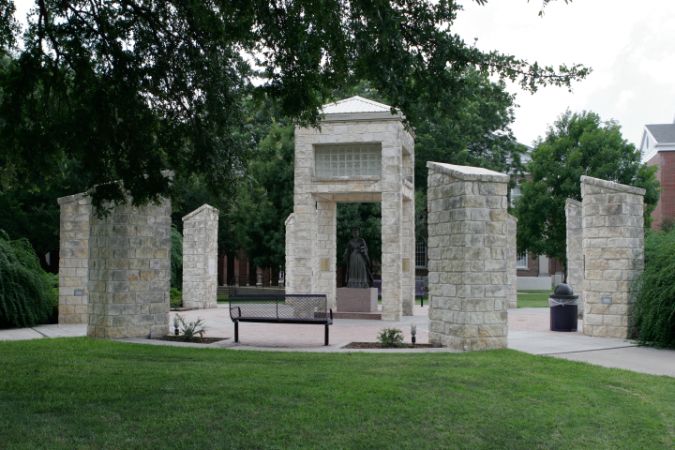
x,y
354,105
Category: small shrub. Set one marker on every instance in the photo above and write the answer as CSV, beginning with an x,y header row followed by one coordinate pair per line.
x,y
390,337
189,330
27,294
176,298
655,291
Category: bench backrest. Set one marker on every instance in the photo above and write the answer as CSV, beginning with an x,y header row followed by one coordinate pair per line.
x,y
308,307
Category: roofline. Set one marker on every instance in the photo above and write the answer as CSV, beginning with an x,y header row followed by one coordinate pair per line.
x,y
373,115
654,137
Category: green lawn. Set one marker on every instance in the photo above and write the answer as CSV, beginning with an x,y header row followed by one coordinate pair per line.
x,y
81,393
533,299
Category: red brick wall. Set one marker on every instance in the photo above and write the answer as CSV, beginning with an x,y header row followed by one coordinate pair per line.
x,y
532,266
665,208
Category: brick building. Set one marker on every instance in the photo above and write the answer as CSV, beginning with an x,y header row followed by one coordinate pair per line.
x,y
658,149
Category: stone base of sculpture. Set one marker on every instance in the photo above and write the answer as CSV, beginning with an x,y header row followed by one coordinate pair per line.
x,y
356,299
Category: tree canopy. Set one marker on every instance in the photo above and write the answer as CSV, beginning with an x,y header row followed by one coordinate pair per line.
x,y
577,144
129,88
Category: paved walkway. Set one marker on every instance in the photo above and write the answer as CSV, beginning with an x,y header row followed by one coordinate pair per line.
x,y
528,332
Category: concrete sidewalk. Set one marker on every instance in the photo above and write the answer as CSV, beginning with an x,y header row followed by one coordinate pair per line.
x,y
528,332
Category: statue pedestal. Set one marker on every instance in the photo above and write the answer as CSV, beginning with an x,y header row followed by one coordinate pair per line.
x,y
356,299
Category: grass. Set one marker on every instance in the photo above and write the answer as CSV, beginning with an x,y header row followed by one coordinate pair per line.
x,y
533,299
82,393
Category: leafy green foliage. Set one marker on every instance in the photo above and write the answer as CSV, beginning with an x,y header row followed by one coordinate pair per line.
x,y
176,258
577,144
469,125
390,337
264,198
27,294
176,297
655,291
130,88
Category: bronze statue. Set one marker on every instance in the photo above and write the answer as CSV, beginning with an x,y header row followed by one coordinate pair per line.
x,y
357,263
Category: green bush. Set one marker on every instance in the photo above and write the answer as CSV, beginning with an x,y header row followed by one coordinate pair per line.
x,y
655,291
390,337
176,258
176,298
27,294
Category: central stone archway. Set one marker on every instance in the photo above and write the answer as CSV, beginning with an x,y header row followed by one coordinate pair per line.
x,y
361,153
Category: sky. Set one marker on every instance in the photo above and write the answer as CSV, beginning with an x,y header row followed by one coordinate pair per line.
x,y
629,44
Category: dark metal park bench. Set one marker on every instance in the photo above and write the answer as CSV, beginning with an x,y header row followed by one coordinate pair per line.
x,y
311,309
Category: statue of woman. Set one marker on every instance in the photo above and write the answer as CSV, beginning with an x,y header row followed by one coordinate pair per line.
x,y
357,263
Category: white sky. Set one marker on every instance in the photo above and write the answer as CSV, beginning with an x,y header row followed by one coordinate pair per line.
x,y
629,44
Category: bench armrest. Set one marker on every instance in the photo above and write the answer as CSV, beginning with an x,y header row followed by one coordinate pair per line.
x,y
238,312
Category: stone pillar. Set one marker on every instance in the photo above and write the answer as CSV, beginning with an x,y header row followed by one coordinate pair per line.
x,y
200,255
300,236
289,256
130,271
408,256
392,206
511,271
468,282
613,251
73,258
325,279
575,256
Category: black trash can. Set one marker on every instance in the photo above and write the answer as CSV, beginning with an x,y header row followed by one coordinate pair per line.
x,y
564,309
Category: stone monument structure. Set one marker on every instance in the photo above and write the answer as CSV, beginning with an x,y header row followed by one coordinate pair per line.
x,y
575,256
468,257
613,254
130,271
74,258
511,270
115,269
200,258
361,152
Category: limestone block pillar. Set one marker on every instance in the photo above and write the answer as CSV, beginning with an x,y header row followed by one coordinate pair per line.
x,y
289,257
512,271
325,281
300,244
73,258
392,206
613,250
200,258
468,257
130,271
575,256
408,257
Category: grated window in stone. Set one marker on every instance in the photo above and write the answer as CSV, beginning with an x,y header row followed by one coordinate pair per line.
x,y
421,254
347,160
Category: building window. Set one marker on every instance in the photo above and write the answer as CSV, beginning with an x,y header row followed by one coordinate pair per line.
x,y
515,195
347,160
421,254
521,261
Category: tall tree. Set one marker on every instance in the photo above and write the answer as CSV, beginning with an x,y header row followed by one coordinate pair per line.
x,y
264,198
577,144
128,88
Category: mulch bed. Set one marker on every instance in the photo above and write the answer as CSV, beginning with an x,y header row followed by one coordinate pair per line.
x,y
195,340
378,345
